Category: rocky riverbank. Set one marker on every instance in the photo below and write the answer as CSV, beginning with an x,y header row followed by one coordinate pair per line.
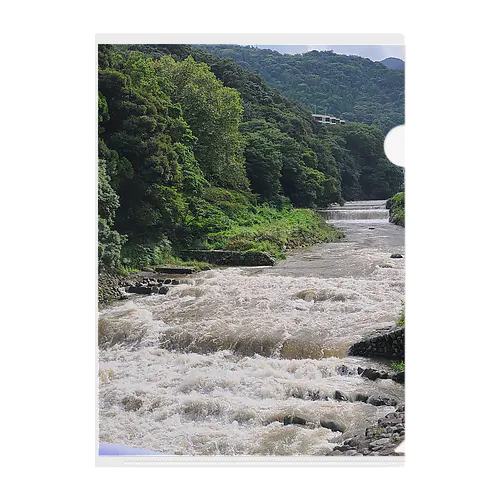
x,y
108,288
381,439
112,286
384,343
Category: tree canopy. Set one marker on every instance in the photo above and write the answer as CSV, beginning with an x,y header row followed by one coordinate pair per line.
x,y
189,141
349,87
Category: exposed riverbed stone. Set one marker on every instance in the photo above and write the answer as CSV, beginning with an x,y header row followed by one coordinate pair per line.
x,y
396,256
147,283
370,374
332,425
345,370
143,290
341,396
316,395
378,440
293,420
381,401
361,397
132,403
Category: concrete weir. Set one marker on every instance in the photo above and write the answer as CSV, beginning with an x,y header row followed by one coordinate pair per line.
x,y
230,257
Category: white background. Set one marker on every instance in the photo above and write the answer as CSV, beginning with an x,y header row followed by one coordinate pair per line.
x,y
48,248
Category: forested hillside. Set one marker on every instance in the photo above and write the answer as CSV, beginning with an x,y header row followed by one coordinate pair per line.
x,y
349,87
394,63
195,151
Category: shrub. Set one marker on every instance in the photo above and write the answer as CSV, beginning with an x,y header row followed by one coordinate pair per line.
x,y
401,320
396,206
398,366
146,253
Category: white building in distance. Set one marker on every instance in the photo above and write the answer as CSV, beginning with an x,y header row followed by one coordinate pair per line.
x,y
330,120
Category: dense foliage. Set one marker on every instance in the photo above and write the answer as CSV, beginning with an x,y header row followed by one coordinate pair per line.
x,y
393,63
396,206
350,87
191,146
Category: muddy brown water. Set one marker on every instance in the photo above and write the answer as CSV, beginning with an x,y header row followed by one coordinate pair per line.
x,y
219,361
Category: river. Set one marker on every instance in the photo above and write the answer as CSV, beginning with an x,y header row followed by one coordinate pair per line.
x,y
214,366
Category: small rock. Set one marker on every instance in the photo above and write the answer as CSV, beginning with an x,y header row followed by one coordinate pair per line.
x,y
353,442
340,396
396,256
175,282
361,397
343,448
314,395
140,289
370,374
379,442
399,377
343,370
386,451
163,290
381,401
131,403
293,420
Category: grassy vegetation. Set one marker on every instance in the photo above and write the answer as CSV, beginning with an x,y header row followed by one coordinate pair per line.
x,y
176,261
236,222
230,220
396,206
398,366
401,320
274,231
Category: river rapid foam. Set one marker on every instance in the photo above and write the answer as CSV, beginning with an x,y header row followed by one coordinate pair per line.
x,y
214,366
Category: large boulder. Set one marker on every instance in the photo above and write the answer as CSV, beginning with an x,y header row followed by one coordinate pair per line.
x,y
333,425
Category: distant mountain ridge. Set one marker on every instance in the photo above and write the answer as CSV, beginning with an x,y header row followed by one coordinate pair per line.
x,y
393,63
353,88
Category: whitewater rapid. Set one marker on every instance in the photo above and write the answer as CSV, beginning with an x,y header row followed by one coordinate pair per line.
x,y
219,361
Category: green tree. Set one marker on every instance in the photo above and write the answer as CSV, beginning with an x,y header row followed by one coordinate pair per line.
x,y
109,240
213,113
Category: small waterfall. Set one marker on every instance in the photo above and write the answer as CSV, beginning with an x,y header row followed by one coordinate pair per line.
x,y
358,211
